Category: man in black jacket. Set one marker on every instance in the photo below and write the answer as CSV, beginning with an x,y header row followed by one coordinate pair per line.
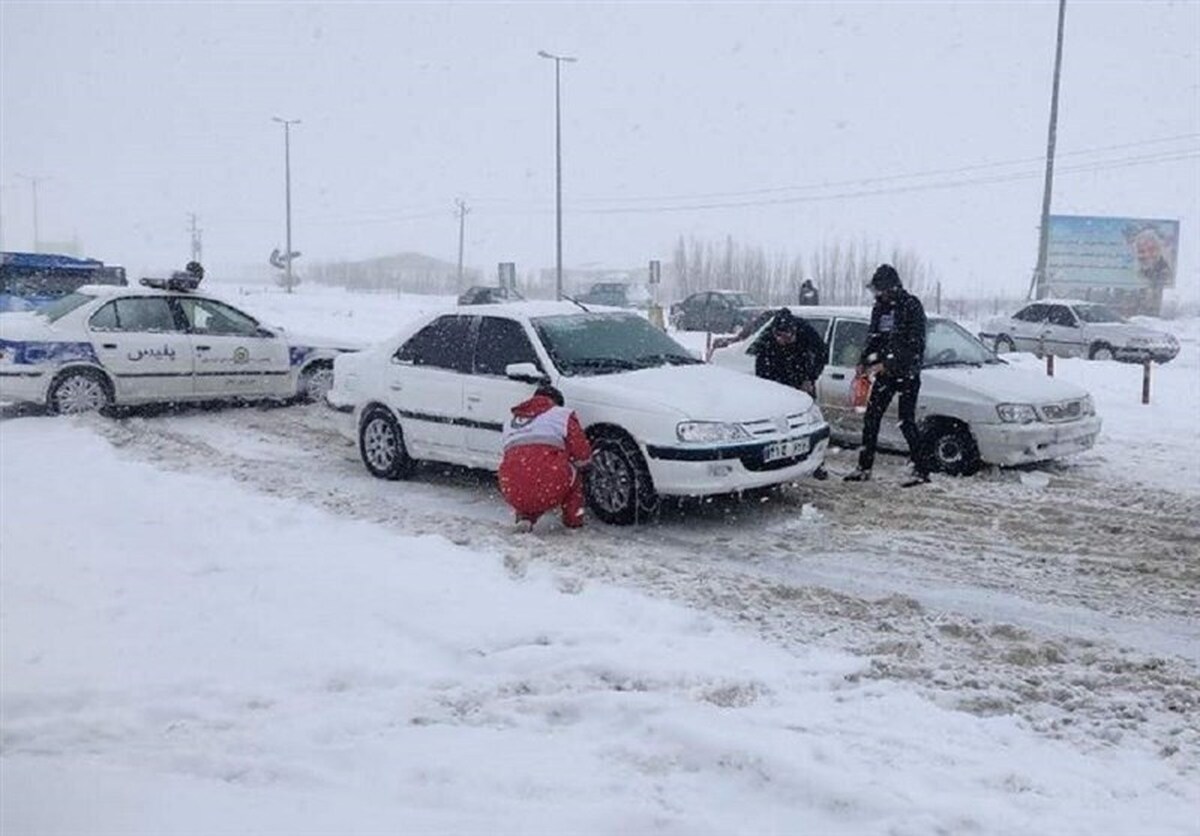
x,y
791,352
894,353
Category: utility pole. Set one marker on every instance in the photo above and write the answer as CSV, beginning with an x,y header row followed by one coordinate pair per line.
x,y
33,183
462,218
558,60
1038,289
287,173
196,244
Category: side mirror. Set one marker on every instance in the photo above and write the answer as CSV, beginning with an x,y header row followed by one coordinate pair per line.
x,y
525,372
264,331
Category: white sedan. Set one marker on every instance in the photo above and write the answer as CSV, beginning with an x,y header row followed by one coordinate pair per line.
x,y
973,407
1070,328
108,345
660,421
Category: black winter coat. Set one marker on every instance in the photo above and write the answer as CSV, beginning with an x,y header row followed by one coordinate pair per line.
x,y
800,362
897,336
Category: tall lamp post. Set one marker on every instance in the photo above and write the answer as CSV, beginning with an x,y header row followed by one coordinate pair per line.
x,y
1039,272
287,174
33,184
558,60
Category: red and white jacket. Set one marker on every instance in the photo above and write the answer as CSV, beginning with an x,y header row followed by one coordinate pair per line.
x,y
540,421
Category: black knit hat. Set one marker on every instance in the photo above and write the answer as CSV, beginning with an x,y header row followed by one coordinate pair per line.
x,y
885,278
551,392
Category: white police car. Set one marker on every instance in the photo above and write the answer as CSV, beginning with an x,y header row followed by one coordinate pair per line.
x,y
114,345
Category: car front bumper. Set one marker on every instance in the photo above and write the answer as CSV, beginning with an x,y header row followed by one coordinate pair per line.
x,y
704,471
1009,444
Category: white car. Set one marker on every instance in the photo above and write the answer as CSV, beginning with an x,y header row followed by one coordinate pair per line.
x,y
1070,328
108,345
973,407
661,422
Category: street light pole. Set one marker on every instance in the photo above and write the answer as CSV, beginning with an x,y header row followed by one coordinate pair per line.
x,y
33,183
557,59
287,174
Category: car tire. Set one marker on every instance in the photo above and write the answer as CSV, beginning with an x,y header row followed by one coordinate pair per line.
x,y
951,449
619,488
1004,345
315,382
83,390
1101,351
381,445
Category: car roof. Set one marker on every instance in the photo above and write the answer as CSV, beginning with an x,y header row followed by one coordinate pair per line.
x,y
540,307
134,290
858,311
1061,302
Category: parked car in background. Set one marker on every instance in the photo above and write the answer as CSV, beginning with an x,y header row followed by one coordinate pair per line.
x,y
616,295
1070,328
973,407
481,295
107,345
661,422
718,311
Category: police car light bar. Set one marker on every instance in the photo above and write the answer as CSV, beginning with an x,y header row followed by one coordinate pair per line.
x,y
178,282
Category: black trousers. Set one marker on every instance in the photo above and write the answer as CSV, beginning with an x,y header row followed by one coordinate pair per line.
x,y
881,395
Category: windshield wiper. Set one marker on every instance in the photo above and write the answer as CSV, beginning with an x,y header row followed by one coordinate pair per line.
x,y
601,363
976,363
673,359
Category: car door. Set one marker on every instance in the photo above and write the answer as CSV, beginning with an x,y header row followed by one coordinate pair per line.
x,y
847,338
425,379
1028,326
1062,332
234,356
143,345
489,394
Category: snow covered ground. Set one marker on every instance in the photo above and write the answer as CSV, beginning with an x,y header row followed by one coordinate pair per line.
x,y
217,622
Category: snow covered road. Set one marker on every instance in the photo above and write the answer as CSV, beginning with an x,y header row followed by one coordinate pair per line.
x,y
1065,599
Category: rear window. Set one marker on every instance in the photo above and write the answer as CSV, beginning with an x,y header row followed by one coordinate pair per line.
x,y
59,308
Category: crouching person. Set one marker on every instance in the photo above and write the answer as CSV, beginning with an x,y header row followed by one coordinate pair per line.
x,y
545,451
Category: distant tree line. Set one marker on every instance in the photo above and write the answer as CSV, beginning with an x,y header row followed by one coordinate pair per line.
x,y
839,269
404,273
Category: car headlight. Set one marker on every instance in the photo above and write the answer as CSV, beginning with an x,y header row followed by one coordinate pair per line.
x,y
710,431
1016,413
1139,341
1089,406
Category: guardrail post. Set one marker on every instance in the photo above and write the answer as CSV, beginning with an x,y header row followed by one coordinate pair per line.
x,y
1146,381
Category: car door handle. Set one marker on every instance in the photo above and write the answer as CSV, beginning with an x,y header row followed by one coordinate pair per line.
x,y
396,387
838,376
108,345
203,347
473,399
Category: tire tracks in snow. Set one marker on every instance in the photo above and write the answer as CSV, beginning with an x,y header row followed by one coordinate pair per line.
x,y
909,580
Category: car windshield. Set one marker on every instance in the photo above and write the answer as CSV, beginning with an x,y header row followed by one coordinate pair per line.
x,y
62,306
1097,314
603,343
949,344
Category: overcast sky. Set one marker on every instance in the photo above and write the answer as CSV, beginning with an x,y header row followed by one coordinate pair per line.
x,y
789,124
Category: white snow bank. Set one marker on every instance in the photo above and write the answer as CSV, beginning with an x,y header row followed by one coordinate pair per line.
x,y
182,656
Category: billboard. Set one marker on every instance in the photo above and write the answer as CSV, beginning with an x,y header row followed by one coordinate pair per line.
x,y
1127,254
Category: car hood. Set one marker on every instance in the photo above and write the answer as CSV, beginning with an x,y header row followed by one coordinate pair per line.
x,y
1003,383
699,392
25,326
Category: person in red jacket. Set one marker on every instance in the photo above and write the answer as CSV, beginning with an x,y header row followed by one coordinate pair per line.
x,y
545,451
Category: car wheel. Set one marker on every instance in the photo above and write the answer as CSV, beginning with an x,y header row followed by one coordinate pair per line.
x,y
619,488
381,445
80,391
315,382
950,449
1004,345
1101,351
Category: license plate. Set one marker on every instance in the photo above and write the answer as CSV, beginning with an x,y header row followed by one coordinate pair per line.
x,y
787,449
